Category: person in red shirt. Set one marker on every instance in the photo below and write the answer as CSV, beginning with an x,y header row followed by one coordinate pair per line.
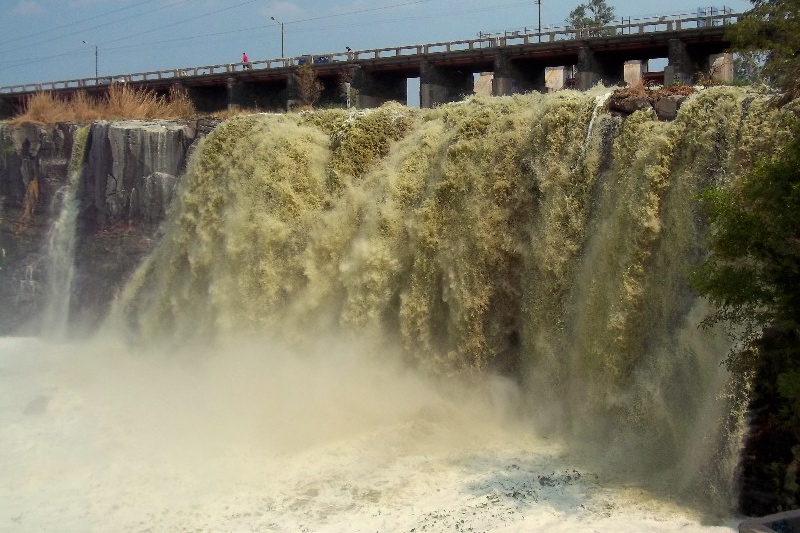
x,y
246,61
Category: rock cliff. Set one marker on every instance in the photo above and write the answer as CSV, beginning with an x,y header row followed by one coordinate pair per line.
x,y
128,173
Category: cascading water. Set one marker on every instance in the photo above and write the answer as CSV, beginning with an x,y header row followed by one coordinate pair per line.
x,y
538,238
529,232
60,253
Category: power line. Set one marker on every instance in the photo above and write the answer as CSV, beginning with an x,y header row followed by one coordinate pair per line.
x,y
182,21
270,27
70,24
12,64
74,52
84,30
348,13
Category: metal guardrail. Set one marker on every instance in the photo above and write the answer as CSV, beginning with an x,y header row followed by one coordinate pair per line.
x,y
651,25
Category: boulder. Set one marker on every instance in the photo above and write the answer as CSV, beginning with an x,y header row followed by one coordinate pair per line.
x,y
667,106
628,104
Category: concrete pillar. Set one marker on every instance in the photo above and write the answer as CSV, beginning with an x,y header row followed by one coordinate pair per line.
x,y
721,67
369,89
593,69
441,85
588,69
511,77
632,72
291,92
233,93
555,78
680,67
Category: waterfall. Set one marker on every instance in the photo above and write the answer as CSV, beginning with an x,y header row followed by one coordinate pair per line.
x,y
60,253
537,236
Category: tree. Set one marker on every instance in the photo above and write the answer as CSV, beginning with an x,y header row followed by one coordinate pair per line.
x,y
772,26
593,14
753,271
748,68
752,275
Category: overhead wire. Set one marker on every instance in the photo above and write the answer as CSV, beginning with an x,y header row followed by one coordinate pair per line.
x,y
312,29
72,23
83,30
13,64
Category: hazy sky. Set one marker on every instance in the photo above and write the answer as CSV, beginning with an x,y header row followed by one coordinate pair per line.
x,y
47,40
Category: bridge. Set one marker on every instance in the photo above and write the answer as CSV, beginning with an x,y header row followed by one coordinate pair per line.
x,y
517,61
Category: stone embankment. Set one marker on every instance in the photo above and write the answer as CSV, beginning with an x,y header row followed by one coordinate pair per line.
x,y
128,176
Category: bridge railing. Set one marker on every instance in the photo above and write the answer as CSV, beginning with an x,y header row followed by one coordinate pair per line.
x,y
650,25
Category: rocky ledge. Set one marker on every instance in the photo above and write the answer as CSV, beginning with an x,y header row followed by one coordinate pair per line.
x,y
665,101
129,173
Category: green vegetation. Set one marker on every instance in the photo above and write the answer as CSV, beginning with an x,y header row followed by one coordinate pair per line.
x,y
748,68
752,276
772,27
752,272
594,13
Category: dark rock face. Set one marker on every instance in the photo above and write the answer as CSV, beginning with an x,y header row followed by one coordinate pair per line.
x,y
770,466
665,102
129,176
629,104
667,107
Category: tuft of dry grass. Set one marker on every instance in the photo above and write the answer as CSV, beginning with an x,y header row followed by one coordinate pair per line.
x,y
636,90
120,102
43,108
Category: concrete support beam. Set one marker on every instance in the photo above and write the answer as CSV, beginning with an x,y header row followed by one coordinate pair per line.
x,y
233,93
681,65
593,69
438,85
588,69
291,92
721,66
555,78
632,72
368,90
511,77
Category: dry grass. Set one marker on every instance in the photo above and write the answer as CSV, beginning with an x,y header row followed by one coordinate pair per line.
x,y
640,90
636,90
120,102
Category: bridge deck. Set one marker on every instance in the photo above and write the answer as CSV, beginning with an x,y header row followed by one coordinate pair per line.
x,y
631,34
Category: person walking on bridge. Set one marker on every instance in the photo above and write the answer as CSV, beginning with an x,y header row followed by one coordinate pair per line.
x,y
246,61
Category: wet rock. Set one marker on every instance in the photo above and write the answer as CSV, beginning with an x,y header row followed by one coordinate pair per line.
x,y
629,104
131,170
667,106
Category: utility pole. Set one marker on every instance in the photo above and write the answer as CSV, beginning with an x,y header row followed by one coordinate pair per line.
x,y
95,59
539,3
281,23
